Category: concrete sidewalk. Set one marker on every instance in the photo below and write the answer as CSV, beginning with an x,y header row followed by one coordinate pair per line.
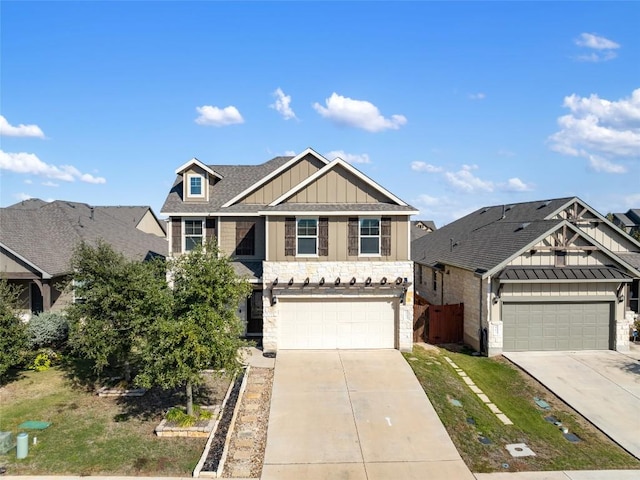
x,y
354,415
566,475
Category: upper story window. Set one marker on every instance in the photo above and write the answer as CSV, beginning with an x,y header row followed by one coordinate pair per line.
x,y
193,234
195,185
369,236
307,236
560,258
245,238
434,279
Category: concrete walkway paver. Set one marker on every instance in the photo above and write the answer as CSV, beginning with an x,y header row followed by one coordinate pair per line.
x,y
354,415
603,386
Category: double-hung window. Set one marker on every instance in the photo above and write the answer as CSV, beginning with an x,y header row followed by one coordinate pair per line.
x,y
193,234
195,185
369,236
307,236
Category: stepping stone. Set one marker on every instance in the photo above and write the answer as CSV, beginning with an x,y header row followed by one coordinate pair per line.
x,y
572,437
504,419
468,381
551,419
541,403
519,450
455,403
475,389
484,440
484,398
494,408
471,421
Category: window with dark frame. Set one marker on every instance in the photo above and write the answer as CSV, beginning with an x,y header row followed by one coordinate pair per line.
x,y
245,239
420,274
434,276
560,258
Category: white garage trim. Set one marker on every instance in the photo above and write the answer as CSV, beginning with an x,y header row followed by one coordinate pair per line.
x,y
337,323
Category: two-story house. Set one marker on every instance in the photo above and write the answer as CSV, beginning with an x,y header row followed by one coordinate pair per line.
x,y
326,248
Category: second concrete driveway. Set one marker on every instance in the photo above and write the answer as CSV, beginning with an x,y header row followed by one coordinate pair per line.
x,y
354,415
603,386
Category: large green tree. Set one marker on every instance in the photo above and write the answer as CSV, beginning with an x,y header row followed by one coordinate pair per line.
x,y
13,338
117,300
203,330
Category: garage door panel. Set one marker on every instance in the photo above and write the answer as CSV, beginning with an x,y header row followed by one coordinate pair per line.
x,y
336,324
556,326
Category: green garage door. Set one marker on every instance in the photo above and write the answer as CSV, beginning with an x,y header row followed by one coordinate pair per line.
x,y
556,326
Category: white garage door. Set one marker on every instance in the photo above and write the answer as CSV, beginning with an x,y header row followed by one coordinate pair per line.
x,y
331,323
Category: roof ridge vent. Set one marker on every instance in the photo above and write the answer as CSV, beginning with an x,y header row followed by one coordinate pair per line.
x,y
544,204
522,226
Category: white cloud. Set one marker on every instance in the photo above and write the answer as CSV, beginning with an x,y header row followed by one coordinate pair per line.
x,y
30,164
516,185
349,157
503,152
477,96
358,113
290,153
8,130
425,167
633,200
465,181
50,184
23,196
283,104
602,48
218,117
599,130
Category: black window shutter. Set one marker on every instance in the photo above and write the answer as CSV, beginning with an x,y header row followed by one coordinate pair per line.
x,y
353,237
245,238
176,234
289,237
385,240
323,237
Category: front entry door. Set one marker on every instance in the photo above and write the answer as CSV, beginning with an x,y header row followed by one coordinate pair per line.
x,y
254,314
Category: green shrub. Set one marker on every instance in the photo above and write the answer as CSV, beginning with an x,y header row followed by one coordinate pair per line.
x,y
48,329
41,363
179,416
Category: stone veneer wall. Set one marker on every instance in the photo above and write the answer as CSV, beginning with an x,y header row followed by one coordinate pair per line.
x,y
330,271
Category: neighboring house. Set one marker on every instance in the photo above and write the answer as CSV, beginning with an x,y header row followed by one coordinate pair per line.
x,y
37,240
544,275
420,228
326,248
629,222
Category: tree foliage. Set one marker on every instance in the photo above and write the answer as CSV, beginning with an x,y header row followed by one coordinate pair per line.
x,y
48,329
203,330
13,338
117,301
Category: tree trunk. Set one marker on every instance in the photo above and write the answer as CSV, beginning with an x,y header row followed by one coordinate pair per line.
x,y
127,372
189,398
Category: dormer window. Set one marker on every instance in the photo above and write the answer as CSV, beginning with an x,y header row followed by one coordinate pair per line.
x,y
195,185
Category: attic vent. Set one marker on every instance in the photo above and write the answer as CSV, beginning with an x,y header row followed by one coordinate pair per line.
x,y
544,204
484,210
508,207
522,226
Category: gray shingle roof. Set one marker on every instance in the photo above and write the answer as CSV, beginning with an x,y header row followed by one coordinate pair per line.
x,y
417,232
483,239
623,219
47,235
237,178
248,268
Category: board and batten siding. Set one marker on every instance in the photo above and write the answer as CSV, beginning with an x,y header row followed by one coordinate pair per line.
x,y
227,236
285,181
338,239
338,186
209,180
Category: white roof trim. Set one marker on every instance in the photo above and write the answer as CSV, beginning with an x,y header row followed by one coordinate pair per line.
x,y
331,166
211,214
334,213
264,180
195,161
45,275
575,229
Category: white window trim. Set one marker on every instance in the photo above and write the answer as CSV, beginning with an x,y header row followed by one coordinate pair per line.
x,y
203,185
184,231
360,254
317,237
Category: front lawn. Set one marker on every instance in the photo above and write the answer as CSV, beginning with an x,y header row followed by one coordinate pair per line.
x,y
513,392
91,435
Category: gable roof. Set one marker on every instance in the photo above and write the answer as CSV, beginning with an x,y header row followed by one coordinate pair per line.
x,y
485,240
195,161
46,236
417,231
338,162
238,181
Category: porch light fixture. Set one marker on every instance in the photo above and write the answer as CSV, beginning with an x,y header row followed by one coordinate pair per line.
x,y
621,298
352,281
274,299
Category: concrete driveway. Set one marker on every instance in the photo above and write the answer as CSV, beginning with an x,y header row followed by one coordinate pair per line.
x,y
604,386
354,415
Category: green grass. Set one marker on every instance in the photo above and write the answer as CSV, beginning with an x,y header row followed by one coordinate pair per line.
x,y
512,391
89,435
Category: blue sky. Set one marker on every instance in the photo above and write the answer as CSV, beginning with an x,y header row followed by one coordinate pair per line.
x,y
450,105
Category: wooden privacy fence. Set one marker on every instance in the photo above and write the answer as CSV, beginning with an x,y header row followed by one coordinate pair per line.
x,y
438,324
